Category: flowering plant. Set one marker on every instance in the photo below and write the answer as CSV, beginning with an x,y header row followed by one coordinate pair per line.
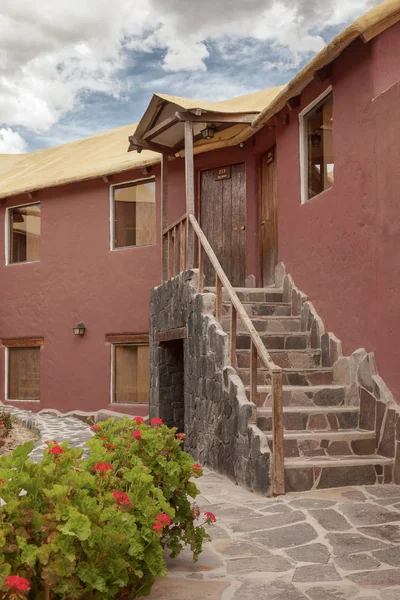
x,y
97,528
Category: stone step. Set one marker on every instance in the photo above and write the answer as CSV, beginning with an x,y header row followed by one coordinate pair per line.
x,y
302,474
267,324
271,294
304,377
311,418
343,442
276,341
262,309
287,359
319,396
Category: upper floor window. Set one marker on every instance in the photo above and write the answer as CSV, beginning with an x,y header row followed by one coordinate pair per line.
x,y
24,233
317,146
134,211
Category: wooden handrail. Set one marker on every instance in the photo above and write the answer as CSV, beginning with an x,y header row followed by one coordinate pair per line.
x,y
174,224
257,350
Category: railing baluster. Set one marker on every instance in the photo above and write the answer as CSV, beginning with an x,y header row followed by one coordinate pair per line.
x,y
277,430
218,308
253,373
233,333
171,253
181,247
185,225
177,250
201,267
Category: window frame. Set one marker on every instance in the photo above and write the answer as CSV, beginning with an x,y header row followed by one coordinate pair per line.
x,y
15,344
8,237
113,248
125,339
304,145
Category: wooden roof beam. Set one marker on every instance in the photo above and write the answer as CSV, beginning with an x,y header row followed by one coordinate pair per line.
x,y
160,128
211,117
323,74
294,102
139,145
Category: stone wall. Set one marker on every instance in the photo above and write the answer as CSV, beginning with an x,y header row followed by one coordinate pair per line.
x,y
218,418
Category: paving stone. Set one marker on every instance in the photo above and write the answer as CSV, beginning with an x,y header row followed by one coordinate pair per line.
x,y
320,593
314,573
269,522
277,508
313,553
349,543
387,578
275,590
238,549
388,533
384,491
357,562
393,594
391,556
172,588
368,514
208,561
268,563
355,495
331,520
285,537
310,503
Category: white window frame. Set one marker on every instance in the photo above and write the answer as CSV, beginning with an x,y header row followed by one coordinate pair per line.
x,y
112,210
304,143
6,375
7,236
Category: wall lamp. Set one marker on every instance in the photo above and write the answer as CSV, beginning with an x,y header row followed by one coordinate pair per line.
x,y
208,132
80,329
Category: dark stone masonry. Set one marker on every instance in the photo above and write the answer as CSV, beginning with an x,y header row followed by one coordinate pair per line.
x,y
203,391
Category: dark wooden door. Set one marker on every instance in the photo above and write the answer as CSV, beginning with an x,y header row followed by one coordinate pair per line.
x,y
223,220
268,217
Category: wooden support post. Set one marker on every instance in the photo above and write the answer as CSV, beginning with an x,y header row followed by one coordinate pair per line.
x,y
277,430
253,373
189,178
218,308
182,240
171,254
201,268
233,333
164,217
177,250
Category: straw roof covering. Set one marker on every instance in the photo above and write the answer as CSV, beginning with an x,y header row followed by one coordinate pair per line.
x,y
95,156
368,26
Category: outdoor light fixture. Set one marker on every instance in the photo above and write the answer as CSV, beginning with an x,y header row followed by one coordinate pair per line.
x,y
208,132
80,329
315,140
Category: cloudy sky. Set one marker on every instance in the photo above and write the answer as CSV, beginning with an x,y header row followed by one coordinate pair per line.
x,y
71,68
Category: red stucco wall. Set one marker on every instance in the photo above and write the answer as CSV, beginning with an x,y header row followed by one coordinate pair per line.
x,y
77,279
343,246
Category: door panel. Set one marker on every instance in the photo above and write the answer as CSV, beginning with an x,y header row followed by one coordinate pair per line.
x,y
223,220
268,217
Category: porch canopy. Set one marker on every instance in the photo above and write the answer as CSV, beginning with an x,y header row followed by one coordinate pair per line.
x,y
162,127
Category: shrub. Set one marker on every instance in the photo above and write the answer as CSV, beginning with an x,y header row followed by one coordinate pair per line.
x,y
97,528
5,426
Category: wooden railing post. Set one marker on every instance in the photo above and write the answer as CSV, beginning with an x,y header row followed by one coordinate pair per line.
x,y
182,246
233,334
253,373
218,308
201,268
189,176
177,250
277,430
164,217
171,253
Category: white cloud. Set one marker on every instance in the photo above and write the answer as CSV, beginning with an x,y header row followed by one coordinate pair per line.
x,y
11,142
55,53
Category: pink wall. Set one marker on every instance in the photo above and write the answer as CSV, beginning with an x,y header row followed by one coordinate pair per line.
x,y
77,279
342,247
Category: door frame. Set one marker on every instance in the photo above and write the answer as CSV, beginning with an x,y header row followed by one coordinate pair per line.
x,y
273,149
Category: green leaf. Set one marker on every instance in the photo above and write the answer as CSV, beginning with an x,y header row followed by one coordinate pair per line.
x,y
57,492
43,553
92,576
78,525
29,555
5,570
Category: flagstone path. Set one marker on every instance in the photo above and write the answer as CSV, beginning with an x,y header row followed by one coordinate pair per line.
x,y
338,544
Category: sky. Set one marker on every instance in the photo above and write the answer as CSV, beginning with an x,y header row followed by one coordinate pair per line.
x,y
73,68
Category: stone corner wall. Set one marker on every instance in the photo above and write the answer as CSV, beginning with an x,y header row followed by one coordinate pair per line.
x,y
218,418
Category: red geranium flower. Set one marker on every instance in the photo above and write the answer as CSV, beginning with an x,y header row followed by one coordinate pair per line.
x,y
95,428
180,436
138,420
102,467
156,421
163,518
2,482
56,450
19,584
110,446
121,498
197,470
137,434
211,518
158,526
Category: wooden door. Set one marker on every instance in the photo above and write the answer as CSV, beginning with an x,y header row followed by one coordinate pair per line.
x,y
223,220
268,218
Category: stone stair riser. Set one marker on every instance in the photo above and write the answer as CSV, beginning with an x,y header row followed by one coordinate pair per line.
x,y
267,325
298,378
277,341
320,397
287,359
261,309
304,421
303,447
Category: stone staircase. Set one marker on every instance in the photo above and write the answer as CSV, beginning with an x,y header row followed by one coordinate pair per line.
x,y
324,445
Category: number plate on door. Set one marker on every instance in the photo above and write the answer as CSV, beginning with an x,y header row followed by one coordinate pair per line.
x,y
222,173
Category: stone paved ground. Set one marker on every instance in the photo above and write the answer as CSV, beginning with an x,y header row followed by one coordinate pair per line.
x,y
340,544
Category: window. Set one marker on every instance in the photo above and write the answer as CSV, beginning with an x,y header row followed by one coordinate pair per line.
x,y
134,209
317,160
24,233
23,369
131,369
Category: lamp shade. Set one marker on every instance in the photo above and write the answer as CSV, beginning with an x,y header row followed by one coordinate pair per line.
x,y
79,329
